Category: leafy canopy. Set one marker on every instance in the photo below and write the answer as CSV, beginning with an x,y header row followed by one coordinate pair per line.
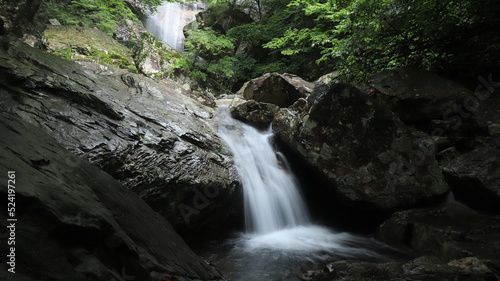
x,y
364,36
207,52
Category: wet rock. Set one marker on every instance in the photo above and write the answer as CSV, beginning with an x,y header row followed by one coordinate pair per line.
x,y
475,176
75,222
255,112
366,155
418,96
155,140
452,231
422,268
279,89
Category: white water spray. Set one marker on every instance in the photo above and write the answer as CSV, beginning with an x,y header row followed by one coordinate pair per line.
x,y
271,197
275,213
169,20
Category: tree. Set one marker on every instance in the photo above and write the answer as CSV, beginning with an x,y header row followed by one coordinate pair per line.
x,y
364,36
207,54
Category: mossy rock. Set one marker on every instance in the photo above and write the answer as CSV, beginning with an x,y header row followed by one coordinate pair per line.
x,y
74,42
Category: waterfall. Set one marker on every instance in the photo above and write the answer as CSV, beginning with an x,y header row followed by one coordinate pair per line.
x,y
169,20
271,196
276,217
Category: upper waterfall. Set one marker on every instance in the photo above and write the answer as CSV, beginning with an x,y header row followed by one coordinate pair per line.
x,y
169,20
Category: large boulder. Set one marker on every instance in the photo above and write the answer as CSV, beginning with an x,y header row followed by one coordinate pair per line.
x,y
279,89
222,19
451,231
254,112
423,269
418,96
366,155
75,222
475,176
155,140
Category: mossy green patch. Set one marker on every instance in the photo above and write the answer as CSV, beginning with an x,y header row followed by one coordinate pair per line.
x,y
73,42
105,15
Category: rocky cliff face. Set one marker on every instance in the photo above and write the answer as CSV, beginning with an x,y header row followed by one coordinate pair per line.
x,y
75,222
148,135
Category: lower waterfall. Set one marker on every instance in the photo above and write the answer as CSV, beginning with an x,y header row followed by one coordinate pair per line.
x,y
281,240
271,196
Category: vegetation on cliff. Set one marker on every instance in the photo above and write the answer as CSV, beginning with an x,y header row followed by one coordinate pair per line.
x,y
235,41
103,14
359,38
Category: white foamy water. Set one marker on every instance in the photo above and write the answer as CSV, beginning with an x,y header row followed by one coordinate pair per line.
x,y
281,242
169,20
271,196
276,217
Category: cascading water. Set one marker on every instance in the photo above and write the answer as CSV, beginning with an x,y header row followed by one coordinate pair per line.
x,y
280,237
169,20
271,197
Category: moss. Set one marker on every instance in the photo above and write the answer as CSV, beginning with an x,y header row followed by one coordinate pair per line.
x,y
71,42
64,53
106,15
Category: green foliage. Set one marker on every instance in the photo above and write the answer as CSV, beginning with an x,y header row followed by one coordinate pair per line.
x,y
100,56
103,14
207,54
365,36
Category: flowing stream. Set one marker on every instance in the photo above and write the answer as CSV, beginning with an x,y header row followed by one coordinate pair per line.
x,y
169,20
280,241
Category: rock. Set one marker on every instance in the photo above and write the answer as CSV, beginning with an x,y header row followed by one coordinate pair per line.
x,y
140,9
485,105
279,89
155,140
153,56
452,231
54,22
85,44
418,96
366,155
475,176
222,19
16,15
422,269
255,112
75,222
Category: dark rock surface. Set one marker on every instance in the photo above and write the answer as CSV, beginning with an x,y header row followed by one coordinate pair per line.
x,y
485,105
475,176
451,231
420,269
279,89
254,112
75,222
155,140
17,14
364,152
418,96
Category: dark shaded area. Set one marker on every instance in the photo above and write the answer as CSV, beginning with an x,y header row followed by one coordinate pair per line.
x,y
325,205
